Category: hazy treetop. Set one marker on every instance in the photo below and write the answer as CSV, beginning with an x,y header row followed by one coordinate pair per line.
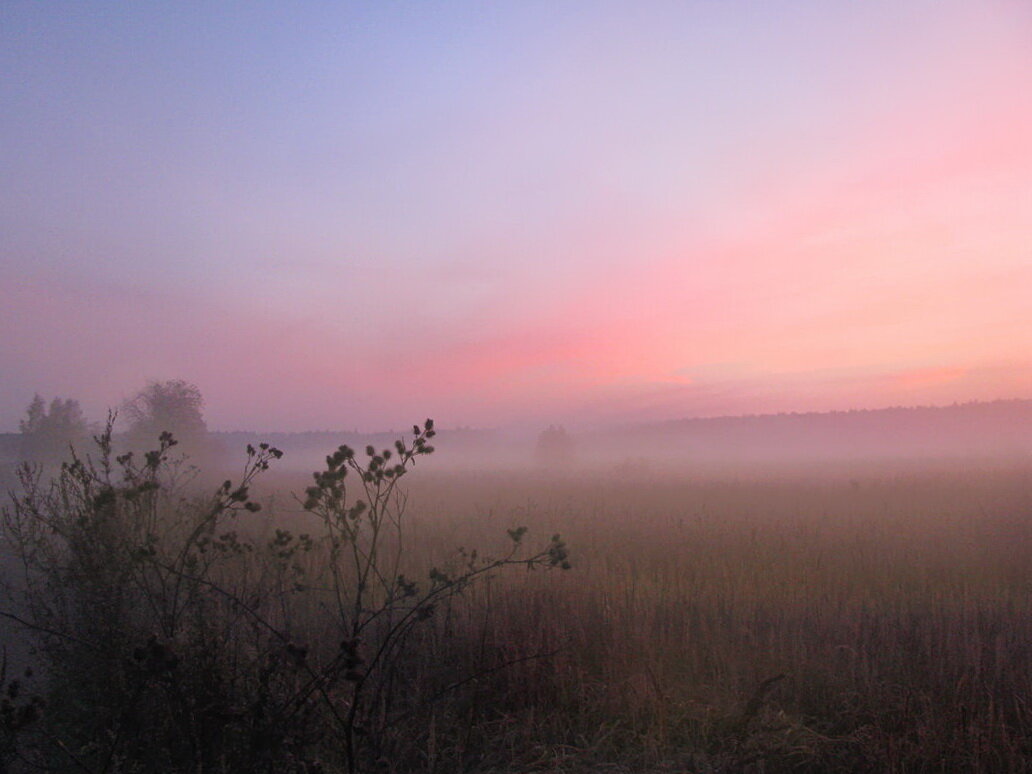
x,y
175,406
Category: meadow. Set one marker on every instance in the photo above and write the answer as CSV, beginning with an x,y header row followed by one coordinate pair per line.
x,y
778,621
845,619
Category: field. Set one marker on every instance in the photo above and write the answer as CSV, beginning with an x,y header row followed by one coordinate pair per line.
x,y
789,623
837,621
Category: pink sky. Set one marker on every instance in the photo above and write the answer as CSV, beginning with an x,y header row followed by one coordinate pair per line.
x,y
495,216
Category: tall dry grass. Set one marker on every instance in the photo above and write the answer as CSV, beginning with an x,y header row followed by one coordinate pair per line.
x,y
865,622
882,624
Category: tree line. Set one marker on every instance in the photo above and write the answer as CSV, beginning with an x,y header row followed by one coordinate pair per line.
x,y
49,430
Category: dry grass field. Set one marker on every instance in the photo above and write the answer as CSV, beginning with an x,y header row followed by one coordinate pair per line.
x,y
750,621
790,623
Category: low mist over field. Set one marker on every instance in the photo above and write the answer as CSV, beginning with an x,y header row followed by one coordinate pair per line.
x,y
994,433
493,388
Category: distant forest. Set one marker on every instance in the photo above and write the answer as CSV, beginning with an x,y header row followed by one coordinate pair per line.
x,y
1002,427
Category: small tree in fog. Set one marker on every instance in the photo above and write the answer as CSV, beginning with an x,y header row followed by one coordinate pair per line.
x,y
47,433
554,447
174,406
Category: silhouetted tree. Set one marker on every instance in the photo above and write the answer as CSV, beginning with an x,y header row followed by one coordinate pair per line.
x,y
47,433
174,406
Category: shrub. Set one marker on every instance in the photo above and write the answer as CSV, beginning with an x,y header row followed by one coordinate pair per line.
x,y
172,638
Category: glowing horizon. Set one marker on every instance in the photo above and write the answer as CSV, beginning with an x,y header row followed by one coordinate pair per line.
x,y
541,212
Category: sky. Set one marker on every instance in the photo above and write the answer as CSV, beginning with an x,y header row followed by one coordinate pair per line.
x,y
354,215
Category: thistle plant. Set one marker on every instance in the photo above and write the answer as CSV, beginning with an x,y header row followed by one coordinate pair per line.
x,y
377,606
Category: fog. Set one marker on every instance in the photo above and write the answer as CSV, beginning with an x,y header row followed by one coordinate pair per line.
x,y
980,434
990,433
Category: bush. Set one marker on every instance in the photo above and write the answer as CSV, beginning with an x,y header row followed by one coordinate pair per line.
x,y
172,638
